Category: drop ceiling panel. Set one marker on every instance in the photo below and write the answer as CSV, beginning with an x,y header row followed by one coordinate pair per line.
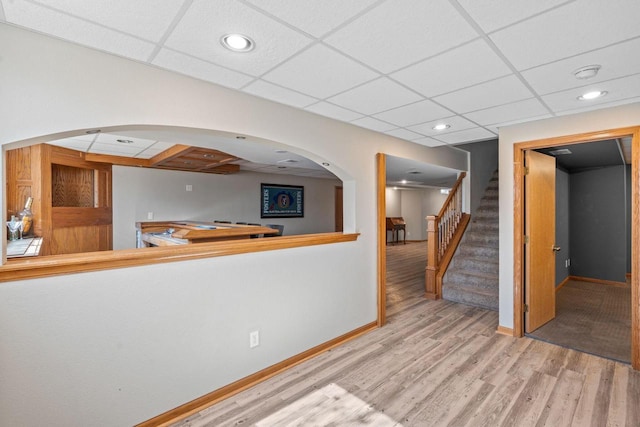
x,y
574,28
619,89
200,69
617,61
373,124
199,32
500,91
72,143
475,134
509,113
148,19
510,11
429,142
398,33
314,17
83,32
404,134
418,112
278,94
376,96
456,124
462,67
115,150
112,139
333,111
320,62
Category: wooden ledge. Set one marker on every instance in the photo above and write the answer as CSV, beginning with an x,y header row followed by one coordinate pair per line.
x,y
21,269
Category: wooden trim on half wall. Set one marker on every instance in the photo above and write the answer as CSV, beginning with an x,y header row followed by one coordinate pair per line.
x,y
518,227
381,166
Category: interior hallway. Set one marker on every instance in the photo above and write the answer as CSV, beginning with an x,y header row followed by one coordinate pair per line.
x,y
437,363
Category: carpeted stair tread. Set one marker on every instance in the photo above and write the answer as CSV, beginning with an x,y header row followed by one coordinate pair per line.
x,y
472,277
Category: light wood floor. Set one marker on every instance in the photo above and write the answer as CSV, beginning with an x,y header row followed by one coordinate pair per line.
x,y
438,363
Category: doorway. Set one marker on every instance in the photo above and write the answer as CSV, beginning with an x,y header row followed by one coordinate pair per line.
x,y
521,263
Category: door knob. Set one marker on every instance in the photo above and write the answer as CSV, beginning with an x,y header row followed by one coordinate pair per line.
x,y
555,248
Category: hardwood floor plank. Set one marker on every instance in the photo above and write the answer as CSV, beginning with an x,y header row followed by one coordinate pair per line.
x,y
437,363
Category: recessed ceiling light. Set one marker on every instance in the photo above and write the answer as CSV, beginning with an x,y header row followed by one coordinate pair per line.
x,y
287,161
441,126
281,151
592,95
282,167
241,137
124,141
587,72
404,181
325,164
237,42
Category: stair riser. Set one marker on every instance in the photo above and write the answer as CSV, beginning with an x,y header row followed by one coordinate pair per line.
x,y
466,280
473,265
477,300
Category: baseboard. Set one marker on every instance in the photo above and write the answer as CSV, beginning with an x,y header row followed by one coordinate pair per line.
x,y
564,282
601,281
503,330
227,391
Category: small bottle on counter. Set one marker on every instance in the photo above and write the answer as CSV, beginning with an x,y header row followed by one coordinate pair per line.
x,y
26,217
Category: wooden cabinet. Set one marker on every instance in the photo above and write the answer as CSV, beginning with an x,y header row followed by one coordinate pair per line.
x,y
72,197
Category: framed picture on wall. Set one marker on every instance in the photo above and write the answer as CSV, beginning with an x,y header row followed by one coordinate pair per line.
x,y
281,201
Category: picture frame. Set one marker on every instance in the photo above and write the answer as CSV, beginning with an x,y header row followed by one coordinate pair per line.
x,y
281,201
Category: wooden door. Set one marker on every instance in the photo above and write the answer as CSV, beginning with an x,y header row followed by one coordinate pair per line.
x,y
540,215
338,209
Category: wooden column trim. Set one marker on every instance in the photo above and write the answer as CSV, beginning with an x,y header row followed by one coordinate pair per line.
x,y
381,167
635,250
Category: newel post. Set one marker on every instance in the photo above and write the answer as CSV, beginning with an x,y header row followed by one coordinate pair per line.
x,y
432,258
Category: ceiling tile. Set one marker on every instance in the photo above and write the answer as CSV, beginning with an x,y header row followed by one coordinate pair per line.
x,y
148,19
617,61
429,142
462,67
314,17
618,90
373,124
376,96
333,111
500,91
313,72
456,124
278,94
76,30
72,143
404,134
206,22
110,138
569,30
599,106
469,135
115,150
200,69
509,11
401,32
412,114
509,113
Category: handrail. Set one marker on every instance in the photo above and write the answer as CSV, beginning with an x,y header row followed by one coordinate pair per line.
x,y
443,235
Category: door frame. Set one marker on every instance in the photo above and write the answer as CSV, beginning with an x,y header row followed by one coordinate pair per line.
x,y
518,223
381,166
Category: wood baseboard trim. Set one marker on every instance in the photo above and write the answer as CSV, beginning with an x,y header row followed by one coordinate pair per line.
x,y
503,330
564,282
601,281
227,391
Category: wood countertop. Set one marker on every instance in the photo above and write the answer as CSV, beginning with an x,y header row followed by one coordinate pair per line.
x,y
184,232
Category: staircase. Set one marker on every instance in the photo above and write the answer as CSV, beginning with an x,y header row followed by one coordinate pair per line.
x,y
472,276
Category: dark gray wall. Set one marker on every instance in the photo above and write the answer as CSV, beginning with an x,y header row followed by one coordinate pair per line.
x,y
484,161
628,214
562,225
598,224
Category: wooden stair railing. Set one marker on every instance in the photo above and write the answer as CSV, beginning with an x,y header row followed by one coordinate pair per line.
x,y
444,233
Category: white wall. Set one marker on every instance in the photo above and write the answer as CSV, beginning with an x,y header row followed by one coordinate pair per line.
x,y
236,197
120,346
393,200
411,206
611,118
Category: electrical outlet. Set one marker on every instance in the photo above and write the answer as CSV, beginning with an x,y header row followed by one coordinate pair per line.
x,y
254,339
189,187
149,215
569,262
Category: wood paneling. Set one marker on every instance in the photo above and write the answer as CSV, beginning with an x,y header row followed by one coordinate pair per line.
x,y
72,187
381,170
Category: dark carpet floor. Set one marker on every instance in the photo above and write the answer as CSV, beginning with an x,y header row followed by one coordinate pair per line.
x,y
593,318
